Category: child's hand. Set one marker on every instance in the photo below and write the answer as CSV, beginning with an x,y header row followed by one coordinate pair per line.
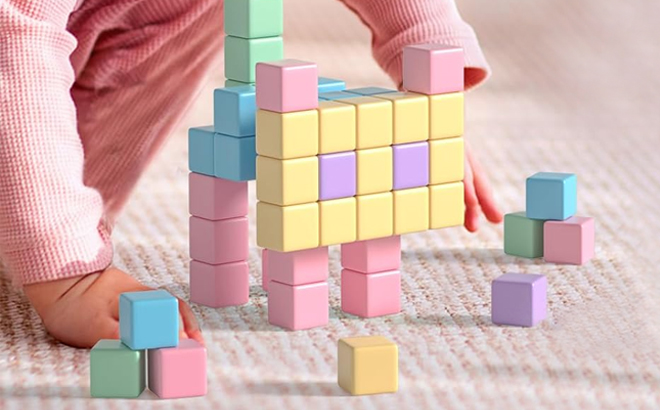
x,y
82,310
478,195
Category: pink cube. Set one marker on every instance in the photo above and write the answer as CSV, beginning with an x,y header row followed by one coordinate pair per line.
x,y
180,371
370,294
298,267
298,307
264,269
570,241
433,69
222,285
217,242
373,255
287,85
217,198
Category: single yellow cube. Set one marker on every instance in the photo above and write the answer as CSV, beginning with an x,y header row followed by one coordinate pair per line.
x,y
368,365
375,216
411,116
374,121
447,115
374,170
287,181
287,228
447,205
411,210
337,127
447,160
338,221
287,135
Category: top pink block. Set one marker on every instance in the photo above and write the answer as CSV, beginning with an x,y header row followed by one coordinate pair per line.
x,y
287,85
433,69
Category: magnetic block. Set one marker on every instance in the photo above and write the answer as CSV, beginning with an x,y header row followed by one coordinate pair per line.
x,y
242,55
411,210
287,228
116,371
216,242
264,269
447,205
298,267
149,319
254,18
372,256
367,365
234,110
369,91
570,241
298,307
447,115
216,198
374,170
289,181
221,285
234,157
337,175
287,85
370,294
411,165
200,150
519,299
551,195
523,236
433,68
374,121
177,372
287,136
232,83
338,221
375,216
447,160
337,127
336,95
411,116
327,85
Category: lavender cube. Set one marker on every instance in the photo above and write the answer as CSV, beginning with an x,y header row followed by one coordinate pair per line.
x,y
411,165
337,178
519,299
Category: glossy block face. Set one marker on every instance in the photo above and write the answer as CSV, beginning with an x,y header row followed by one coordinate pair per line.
x,y
551,196
374,170
336,95
447,115
411,210
372,256
287,86
571,241
221,285
200,150
148,320
254,18
523,236
234,158
519,299
287,136
216,198
116,371
338,221
433,69
411,116
447,160
447,205
370,295
178,372
337,127
288,228
242,56
264,269
216,242
299,267
298,307
287,182
370,91
368,365
327,85
234,111
375,216
411,165
337,175
374,121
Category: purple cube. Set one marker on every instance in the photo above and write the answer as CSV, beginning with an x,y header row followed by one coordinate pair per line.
x,y
337,177
519,299
411,165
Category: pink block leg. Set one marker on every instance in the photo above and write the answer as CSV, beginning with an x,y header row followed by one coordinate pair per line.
x,y
217,198
298,307
178,371
217,242
374,255
219,285
371,294
264,269
299,267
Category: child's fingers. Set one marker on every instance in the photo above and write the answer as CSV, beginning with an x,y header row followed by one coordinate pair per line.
x,y
189,323
483,191
471,201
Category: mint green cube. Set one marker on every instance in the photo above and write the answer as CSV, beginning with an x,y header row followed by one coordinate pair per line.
x,y
523,236
116,371
242,56
254,18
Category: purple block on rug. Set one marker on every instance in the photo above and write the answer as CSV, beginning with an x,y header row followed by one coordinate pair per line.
x,y
519,299
411,165
337,177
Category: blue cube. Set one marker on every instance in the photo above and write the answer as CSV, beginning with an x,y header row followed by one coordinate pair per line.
x,y
327,85
369,91
148,320
551,196
235,158
337,95
200,150
234,111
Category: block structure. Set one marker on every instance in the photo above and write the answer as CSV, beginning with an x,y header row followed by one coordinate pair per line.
x,y
367,365
148,319
519,299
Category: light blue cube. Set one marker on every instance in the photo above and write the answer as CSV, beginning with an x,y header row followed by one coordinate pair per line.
x,y
235,158
337,95
234,111
148,320
200,150
327,85
551,196
369,91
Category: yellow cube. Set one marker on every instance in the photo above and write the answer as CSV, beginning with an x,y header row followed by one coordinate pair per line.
x,y
374,170
368,365
287,135
374,121
447,160
338,221
287,228
337,127
447,115
411,116
375,216
447,205
288,181
411,210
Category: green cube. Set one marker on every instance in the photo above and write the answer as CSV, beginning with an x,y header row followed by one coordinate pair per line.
x,y
232,83
523,236
116,371
242,56
254,18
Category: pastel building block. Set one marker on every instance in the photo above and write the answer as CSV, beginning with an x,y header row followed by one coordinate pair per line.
x,y
372,256
447,160
368,365
551,195
234,157
287,136
287,228
232,83
338,221
523,236
447,115
116,371
411,165
216,198
411,210
375,216
216,242
336,95
411,116
369,91
264,269
447,205
287,85
326,85
571,241
337,175
234,111
519,299
374,170
298,267
242,55
148,320
433,68
254,18
289,181
200,150
177,372
374,121
221,285
372,294
298,307
337,127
